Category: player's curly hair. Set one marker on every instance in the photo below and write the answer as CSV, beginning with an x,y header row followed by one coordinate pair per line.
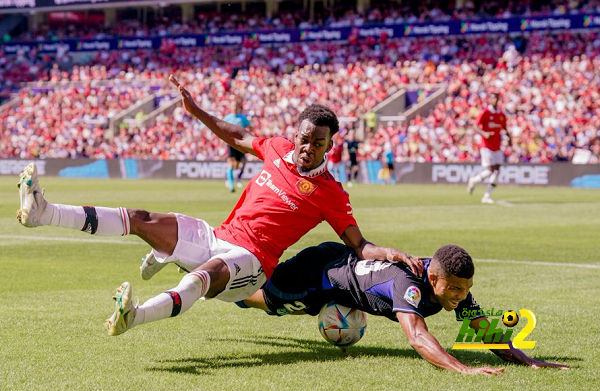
x,y
455,260
320,115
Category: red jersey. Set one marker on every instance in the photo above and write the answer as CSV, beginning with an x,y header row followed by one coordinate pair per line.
x,y
491,122
279,205
335,155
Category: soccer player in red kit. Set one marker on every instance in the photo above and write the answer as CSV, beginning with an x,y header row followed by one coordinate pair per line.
x,y
334,158
492,122
291,195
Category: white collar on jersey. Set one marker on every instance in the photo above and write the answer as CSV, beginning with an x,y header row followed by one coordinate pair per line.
x,y
491,109
312,173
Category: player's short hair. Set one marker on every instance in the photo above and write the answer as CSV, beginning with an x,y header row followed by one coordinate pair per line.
x,y
454,260
320,115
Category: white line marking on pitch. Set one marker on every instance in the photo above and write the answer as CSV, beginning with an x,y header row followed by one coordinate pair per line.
x,y
541,263
292,250
505,203
59,239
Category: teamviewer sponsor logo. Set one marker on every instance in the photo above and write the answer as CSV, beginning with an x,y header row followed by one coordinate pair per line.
x,y
263,178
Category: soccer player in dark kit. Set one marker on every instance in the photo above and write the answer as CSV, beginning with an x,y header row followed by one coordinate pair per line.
x,y
333,272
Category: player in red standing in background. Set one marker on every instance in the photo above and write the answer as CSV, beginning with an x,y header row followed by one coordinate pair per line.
x,y
491,122
335,158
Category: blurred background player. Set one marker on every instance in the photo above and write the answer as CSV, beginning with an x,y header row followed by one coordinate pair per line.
x,y
491,123
388,156
334,158
236,160
352,148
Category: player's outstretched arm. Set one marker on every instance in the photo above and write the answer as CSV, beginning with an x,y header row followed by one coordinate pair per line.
x,y
367,250
430,349
234,135
481,132
517,356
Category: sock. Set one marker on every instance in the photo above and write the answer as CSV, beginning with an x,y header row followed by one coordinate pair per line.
x,y
99,221
488,191
175,301
482,175
230,178
494,177
239,175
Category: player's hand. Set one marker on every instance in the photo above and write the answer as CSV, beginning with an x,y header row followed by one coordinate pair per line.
x,y
486,135
535,364
186,97
488,371
414,263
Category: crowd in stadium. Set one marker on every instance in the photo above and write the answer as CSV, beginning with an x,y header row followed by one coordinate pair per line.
x,y
343,14
549,84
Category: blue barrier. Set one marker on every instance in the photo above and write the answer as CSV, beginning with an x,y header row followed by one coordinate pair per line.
x,y
451,28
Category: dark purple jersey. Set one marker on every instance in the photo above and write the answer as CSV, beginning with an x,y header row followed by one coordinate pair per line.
x,y
333,272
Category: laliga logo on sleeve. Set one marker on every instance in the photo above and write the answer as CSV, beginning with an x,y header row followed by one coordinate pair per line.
x,y
305,187
413,296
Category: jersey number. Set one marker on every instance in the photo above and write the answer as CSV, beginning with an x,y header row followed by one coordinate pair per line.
x,y
293,307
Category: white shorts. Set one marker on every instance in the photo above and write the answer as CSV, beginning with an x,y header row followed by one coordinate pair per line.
x,y
197,244
491,158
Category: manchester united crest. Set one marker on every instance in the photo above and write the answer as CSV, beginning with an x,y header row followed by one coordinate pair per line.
x,y
305,187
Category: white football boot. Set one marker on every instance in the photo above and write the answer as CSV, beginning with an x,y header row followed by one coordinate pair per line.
x,y
470,186
150,266
33,203
487,199
122,319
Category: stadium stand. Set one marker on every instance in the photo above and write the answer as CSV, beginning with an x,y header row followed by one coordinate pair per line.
x,y
552,114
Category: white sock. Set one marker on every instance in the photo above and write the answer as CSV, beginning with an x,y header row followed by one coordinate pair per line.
x,y
482,175
175,301
492,185
99,221
494,177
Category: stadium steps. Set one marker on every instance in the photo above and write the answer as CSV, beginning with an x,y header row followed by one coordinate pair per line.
x,y
10,104
394,108
165,108
146,105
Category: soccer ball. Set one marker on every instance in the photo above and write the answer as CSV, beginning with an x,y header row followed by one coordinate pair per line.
x,y
510,318
341,326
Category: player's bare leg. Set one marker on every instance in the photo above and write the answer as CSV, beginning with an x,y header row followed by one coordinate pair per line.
x,y
487,197
474,180
159,230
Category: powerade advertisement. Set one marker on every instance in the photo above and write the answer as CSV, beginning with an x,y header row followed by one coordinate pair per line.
x,y
553,174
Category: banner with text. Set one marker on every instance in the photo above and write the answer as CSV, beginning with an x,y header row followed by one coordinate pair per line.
x,y
555,174
507,25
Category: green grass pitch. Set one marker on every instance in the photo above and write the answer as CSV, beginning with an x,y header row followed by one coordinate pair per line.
x,y
538,250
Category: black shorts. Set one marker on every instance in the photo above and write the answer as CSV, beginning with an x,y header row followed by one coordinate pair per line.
x,y
353,160
237,155
390,166
297,284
